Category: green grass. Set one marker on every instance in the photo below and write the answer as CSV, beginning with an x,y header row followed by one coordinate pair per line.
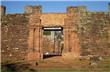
x,y
103,66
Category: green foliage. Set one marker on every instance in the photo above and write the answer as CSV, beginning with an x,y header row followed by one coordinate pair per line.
x,y
46,33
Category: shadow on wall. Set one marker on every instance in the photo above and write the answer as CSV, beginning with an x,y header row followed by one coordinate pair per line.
x,y
49,56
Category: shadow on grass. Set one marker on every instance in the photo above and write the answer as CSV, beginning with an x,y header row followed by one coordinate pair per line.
x,y
17,68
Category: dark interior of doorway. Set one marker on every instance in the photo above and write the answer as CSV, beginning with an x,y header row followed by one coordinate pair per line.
x,y
53,42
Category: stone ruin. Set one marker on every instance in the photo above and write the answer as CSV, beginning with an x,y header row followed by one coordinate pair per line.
x,y
85,33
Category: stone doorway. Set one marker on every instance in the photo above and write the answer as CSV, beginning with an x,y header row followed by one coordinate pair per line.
x,y
40,22
53,43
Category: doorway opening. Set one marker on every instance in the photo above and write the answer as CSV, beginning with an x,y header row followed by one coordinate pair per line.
x,y
53,42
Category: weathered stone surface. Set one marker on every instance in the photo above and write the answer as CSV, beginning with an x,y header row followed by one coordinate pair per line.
x,y
93,31
14,36
34,39
71,40
2,10
53,19
85,33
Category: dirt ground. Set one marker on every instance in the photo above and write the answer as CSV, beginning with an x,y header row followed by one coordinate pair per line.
x,y
58,64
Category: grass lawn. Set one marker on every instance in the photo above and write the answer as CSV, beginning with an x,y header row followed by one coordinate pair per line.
x,y
53,65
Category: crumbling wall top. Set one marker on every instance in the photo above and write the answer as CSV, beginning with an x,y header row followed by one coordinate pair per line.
x,y
33,9
2,10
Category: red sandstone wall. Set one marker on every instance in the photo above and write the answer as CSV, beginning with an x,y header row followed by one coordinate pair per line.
x,y
92,30
14,34
93,33
53,19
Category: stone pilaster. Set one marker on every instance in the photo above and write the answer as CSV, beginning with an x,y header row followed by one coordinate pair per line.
x,y
71,43
66,37
41,43
34,34
75,44
109,27
30,40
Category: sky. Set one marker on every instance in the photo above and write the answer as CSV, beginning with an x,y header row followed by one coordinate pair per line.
x,y
54,6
